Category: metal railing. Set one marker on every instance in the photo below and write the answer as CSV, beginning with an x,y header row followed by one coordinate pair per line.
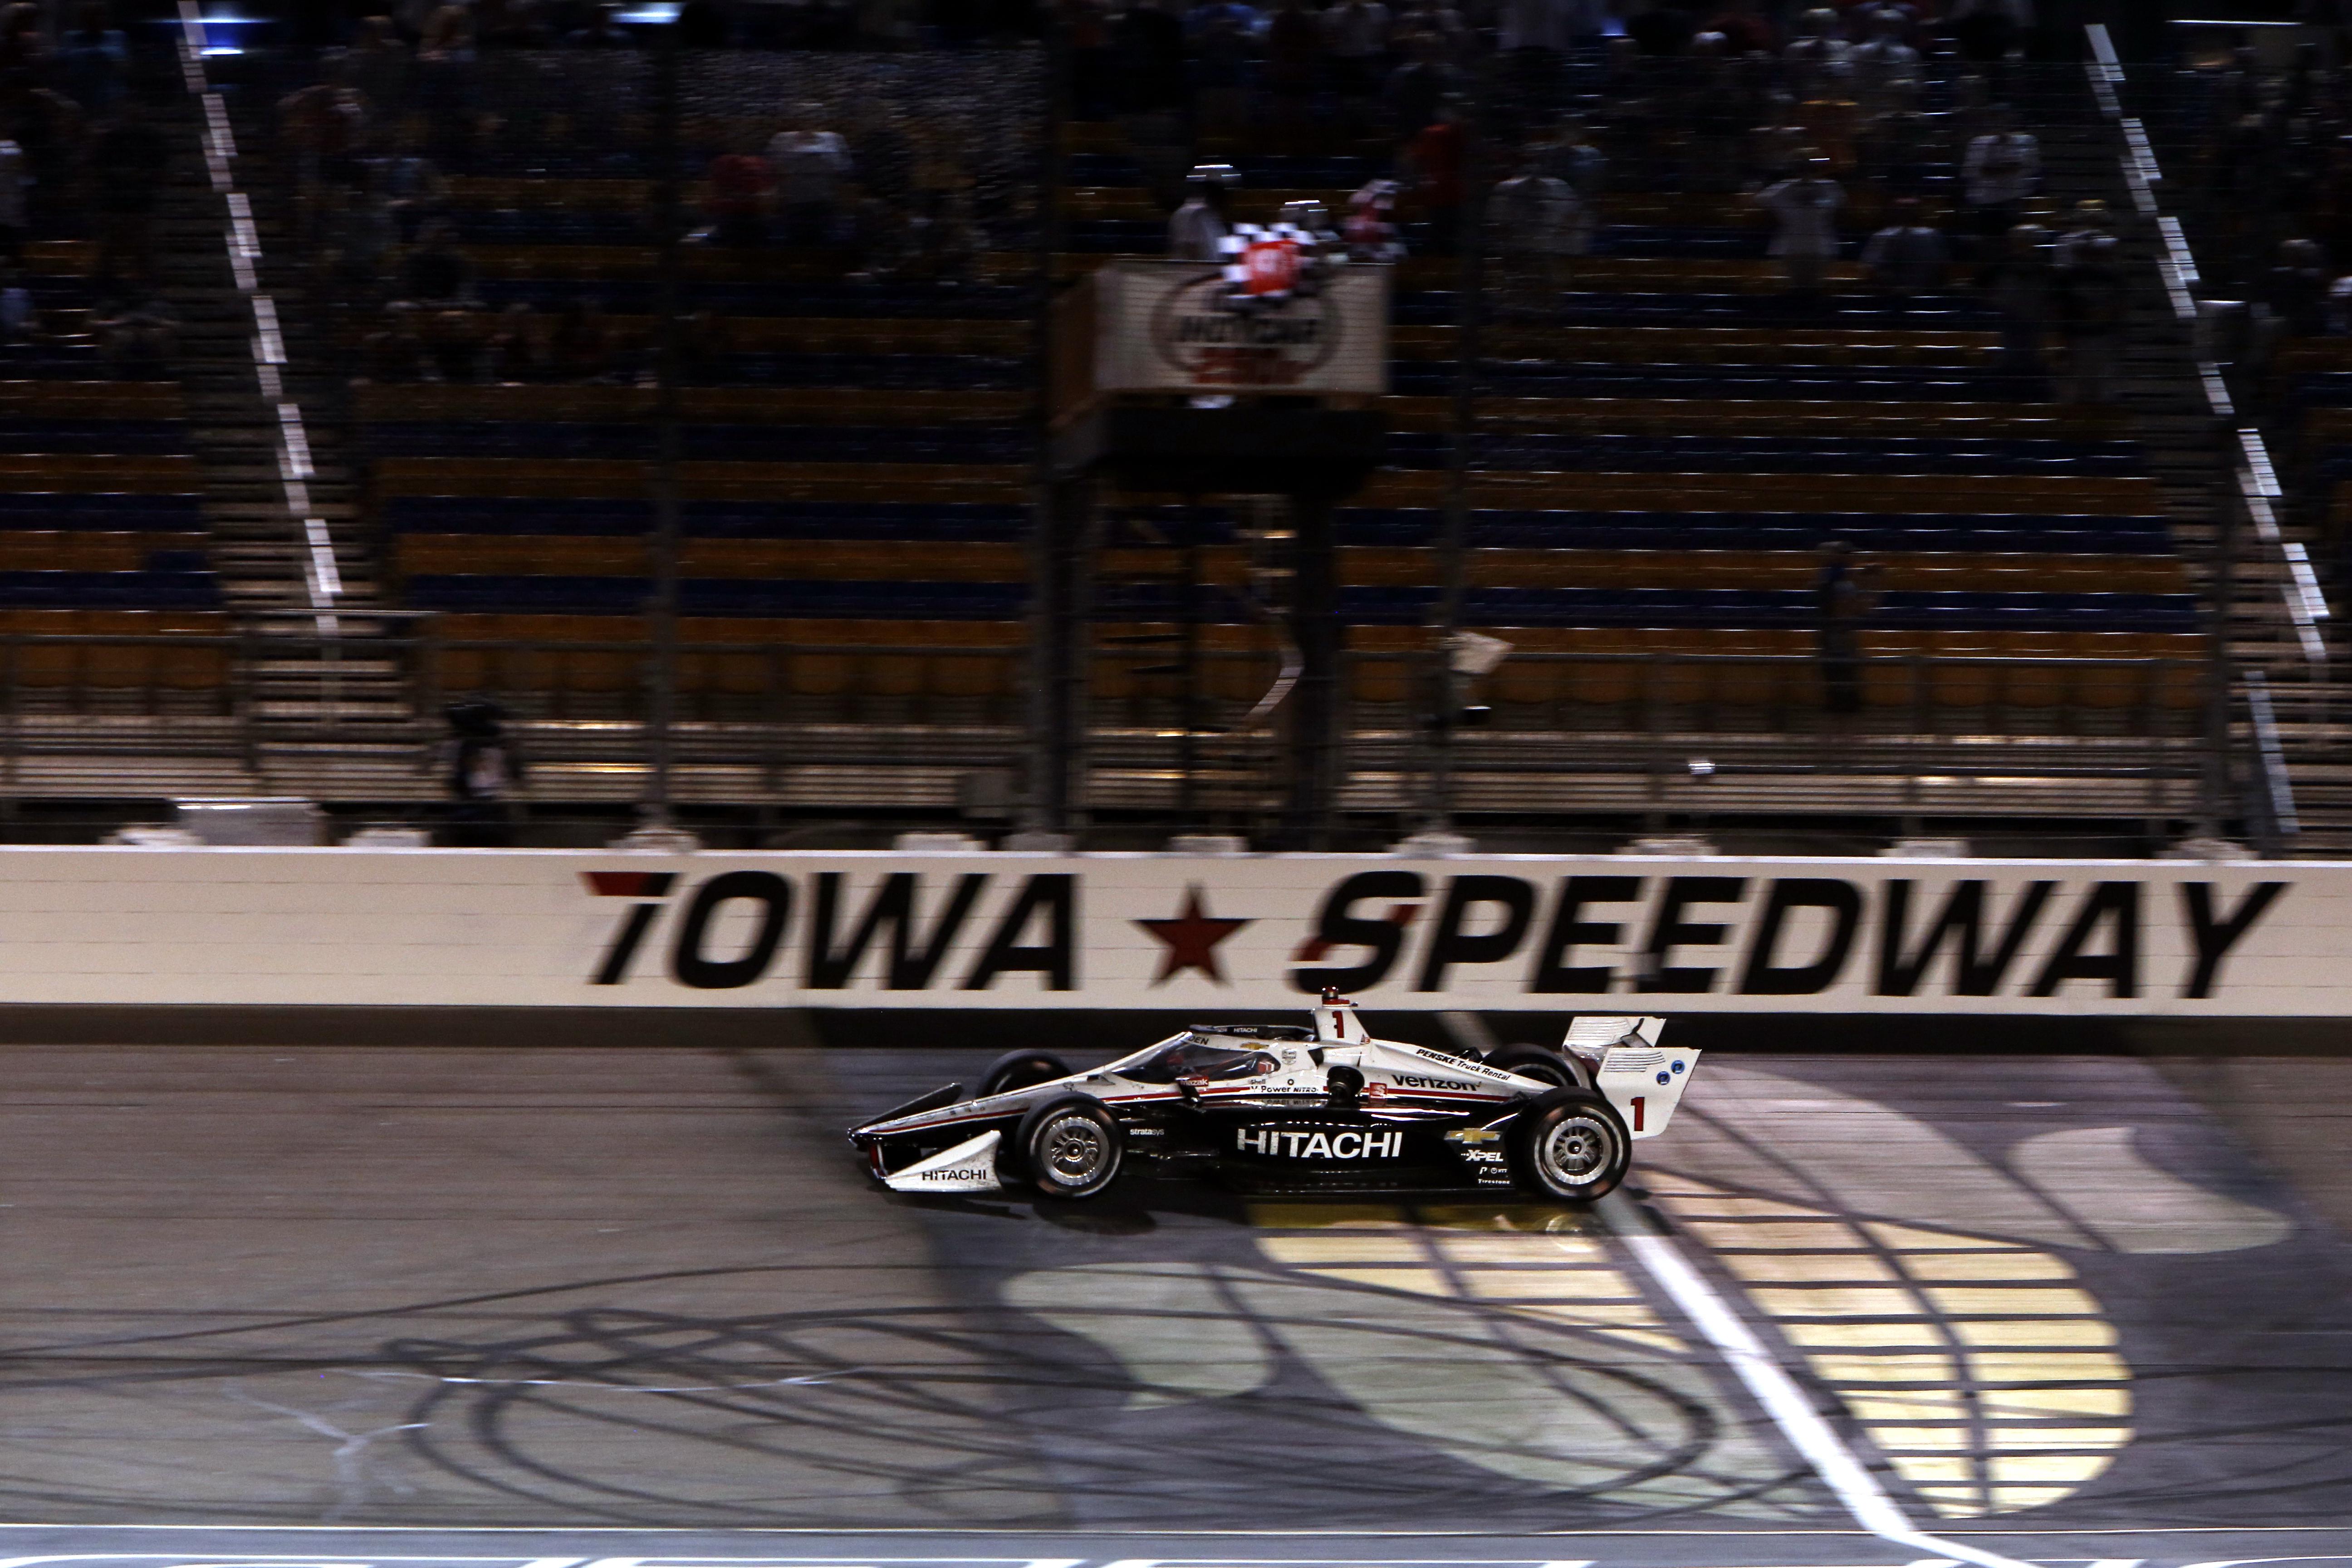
x,y
2126,729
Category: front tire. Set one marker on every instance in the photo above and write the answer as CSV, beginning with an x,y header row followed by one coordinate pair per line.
x,y
1571,1145
1553,1067
1067,1148
1020,1069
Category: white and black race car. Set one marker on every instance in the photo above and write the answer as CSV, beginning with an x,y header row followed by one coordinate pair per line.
x,y
1276,1108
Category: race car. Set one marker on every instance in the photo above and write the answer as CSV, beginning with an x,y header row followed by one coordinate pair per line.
x,y
1296,1109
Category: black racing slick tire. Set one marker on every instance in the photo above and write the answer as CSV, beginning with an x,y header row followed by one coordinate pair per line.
x,y
1569,1144
1020,1069
1534,1062
1069,1147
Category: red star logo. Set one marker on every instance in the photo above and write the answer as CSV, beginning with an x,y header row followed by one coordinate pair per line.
x,y
1191,938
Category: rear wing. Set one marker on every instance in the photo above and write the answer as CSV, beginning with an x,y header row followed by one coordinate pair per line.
x,y
1643,1079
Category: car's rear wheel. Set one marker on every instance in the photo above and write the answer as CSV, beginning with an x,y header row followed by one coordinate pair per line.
x,y
1019,1071
1543,1066
1570,1144
1067,1148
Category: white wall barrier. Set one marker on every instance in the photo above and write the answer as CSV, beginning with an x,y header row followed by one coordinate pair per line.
x,y
344,926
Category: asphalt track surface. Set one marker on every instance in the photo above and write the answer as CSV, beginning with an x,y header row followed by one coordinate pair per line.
x,y
564,1307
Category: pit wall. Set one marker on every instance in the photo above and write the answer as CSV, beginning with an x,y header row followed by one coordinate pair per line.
x,y
355,929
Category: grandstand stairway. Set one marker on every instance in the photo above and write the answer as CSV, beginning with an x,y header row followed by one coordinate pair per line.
x,y
2198,452
325,694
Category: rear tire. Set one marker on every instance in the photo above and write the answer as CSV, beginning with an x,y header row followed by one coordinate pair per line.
x,y
1069,1147
1571,1145
1021,1070
1534,1062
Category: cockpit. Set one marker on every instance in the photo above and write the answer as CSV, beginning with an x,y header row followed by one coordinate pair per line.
x,y
1197,1057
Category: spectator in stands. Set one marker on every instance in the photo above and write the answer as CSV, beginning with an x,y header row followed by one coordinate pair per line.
x,y
20,317
2294,296
517,350
483,770
1818,57
1535,36
136,336
1198,228
1293,53
706,350
1660,30
12,202
2089,297
1886,76
1434,20
1086,35
2018,287
580,347
1723,105
1908,257
1746,32
92,60
604,31
1357,44
1147,44
410,188
738,187
377,64
1417,90
393,354
128,167
1221,41
54,133
1805,208
1538,223
1989,30
1435,157
437,270
1842,600
453,346
808,166
1999,171
1570,155
1370,228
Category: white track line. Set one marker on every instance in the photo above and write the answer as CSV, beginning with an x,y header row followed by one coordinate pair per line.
x,y
1775,1390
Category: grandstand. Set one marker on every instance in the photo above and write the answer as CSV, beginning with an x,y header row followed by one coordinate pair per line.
x,y
519,340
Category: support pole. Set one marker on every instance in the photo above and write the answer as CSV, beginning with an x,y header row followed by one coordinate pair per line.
x,y
1059,575
1470,282
662,687
2214,780
1315,629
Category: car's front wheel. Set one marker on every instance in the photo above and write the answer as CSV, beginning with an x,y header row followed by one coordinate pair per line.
x,y
1534,1062
1067,1148
1570,1144
1020,1069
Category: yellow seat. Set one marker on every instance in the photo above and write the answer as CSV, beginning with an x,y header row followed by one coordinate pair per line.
x,y
970,675
124,665
1673,674
1968,684
48,666
599,672
1603,680
1380,677
2108,687
817,674
2033,684
1890,671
